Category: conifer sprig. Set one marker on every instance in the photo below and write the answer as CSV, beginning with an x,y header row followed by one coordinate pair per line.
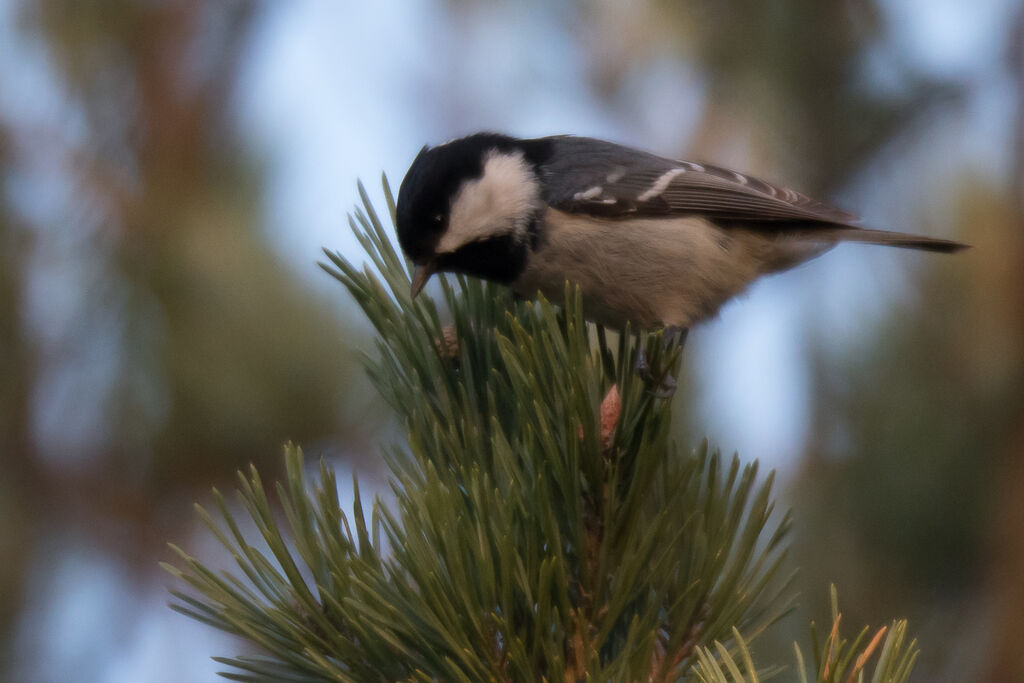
x,y
539,529
836,659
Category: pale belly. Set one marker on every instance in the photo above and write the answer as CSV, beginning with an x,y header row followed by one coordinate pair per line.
x,y
651,272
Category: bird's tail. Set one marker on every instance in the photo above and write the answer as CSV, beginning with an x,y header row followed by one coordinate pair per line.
x,y
884,237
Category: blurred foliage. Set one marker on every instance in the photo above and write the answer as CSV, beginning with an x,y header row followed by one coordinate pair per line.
x,y
791,79
204,309
218,353
809,90
886,401
935,401
887,655
16,363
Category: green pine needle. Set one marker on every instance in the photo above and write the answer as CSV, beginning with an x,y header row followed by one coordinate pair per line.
x,y
838,661
523,543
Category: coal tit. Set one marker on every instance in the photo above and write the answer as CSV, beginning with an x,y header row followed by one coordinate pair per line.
x,y
649,240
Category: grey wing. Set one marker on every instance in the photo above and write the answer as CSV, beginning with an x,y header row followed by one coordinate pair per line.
x,y
584,175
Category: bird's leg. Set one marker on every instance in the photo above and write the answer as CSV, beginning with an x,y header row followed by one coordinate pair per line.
x,y
662,375
674,333
643,370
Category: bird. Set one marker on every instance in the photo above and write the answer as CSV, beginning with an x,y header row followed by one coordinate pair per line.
x,y
651,242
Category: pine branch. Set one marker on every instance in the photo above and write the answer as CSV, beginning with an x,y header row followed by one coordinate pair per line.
x,y
543,526
837,660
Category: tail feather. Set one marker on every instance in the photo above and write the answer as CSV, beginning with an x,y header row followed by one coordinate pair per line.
x,y
886,238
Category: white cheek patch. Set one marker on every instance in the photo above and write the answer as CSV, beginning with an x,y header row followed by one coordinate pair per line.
x,y
501,201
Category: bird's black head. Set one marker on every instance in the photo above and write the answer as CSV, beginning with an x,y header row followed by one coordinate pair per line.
x,y
450,217
430,186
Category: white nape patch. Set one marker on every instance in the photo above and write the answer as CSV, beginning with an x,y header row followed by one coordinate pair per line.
x,y
616,175
587,194
661,184
501,201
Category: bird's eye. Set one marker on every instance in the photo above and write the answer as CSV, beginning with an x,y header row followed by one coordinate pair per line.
x,y
437,218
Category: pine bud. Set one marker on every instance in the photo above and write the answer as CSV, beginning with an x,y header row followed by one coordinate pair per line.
x,y
448,344
611,407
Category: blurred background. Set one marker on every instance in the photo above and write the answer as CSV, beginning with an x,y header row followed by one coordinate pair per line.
x,y
170,169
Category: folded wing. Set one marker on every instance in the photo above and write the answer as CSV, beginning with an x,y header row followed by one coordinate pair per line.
x,y
611,180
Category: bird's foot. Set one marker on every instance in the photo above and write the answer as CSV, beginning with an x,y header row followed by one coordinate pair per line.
x,y
666,388
662,384
643,370
676,334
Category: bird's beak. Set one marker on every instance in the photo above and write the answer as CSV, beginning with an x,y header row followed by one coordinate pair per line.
x,y
420,275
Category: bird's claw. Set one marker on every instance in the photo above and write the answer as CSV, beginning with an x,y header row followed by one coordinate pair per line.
x,y
666,389
660,382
